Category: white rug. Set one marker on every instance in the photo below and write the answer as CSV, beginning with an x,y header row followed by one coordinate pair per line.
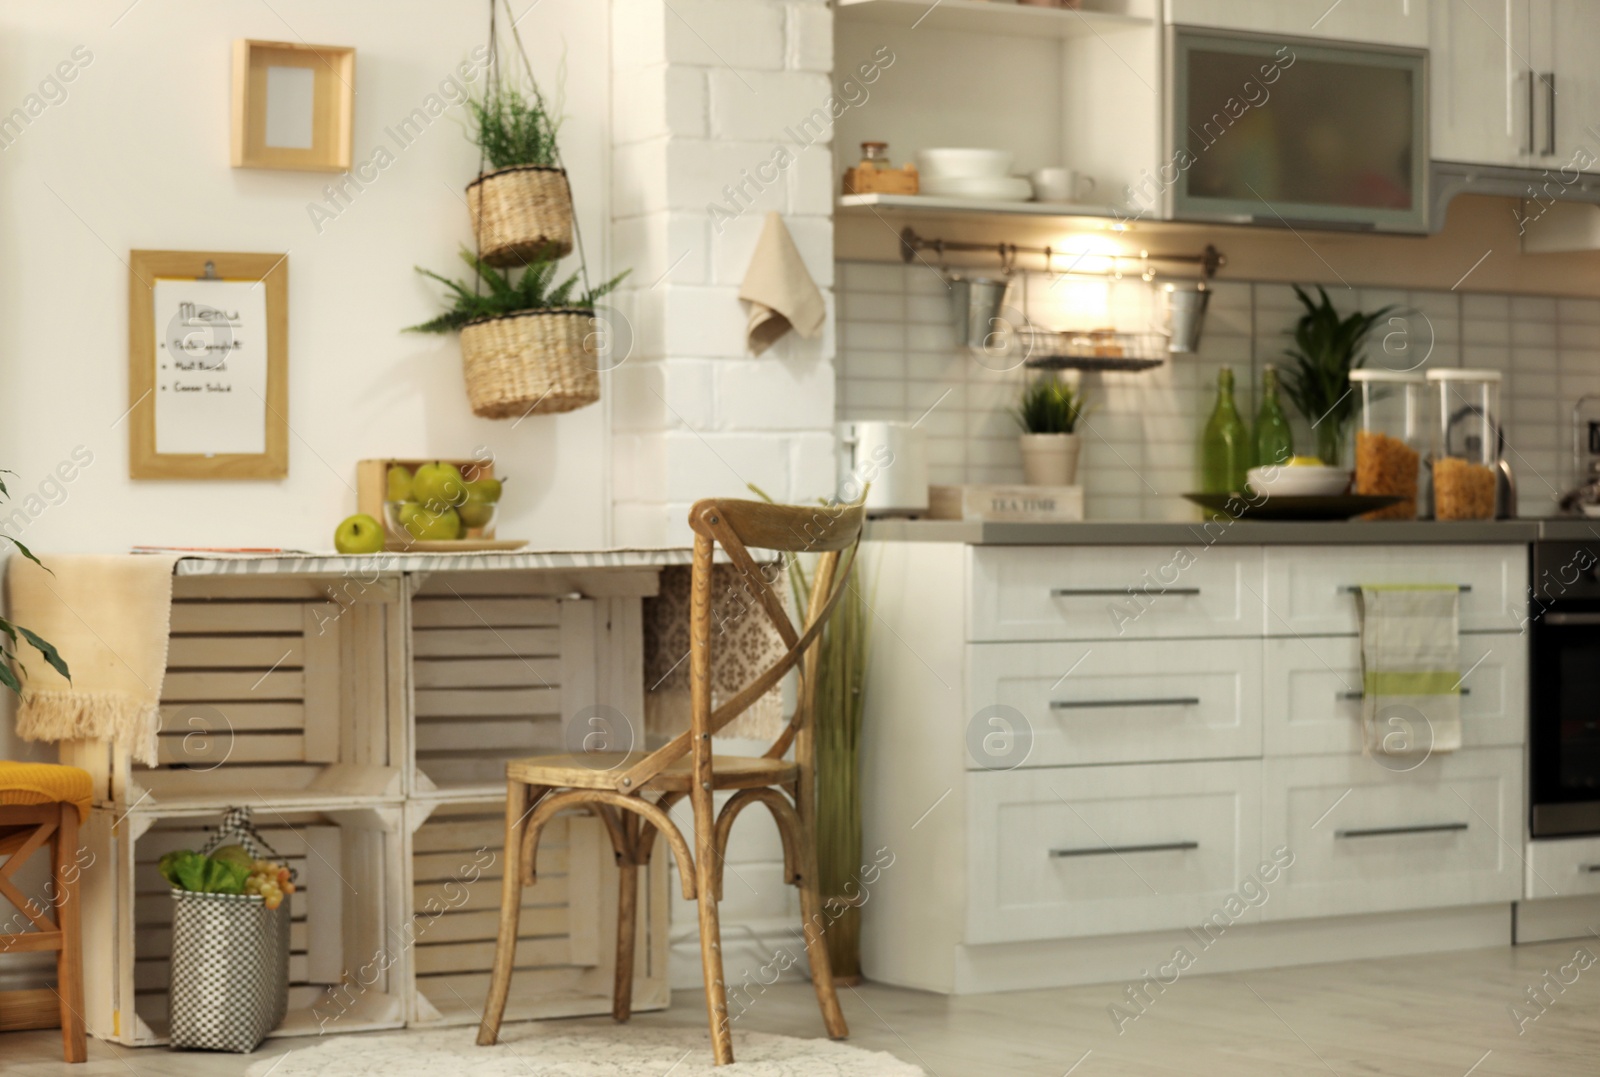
x,y
537,1050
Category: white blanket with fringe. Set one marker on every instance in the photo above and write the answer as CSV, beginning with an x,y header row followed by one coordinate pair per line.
x,y
109,617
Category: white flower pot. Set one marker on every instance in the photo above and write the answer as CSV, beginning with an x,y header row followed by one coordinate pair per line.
x,y
1050,459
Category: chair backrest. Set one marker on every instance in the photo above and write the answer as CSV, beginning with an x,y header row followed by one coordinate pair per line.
x,y
737,526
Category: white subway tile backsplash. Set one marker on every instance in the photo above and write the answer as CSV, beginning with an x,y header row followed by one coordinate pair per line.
x,y
1139,438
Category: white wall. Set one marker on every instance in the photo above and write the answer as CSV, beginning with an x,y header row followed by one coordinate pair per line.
x,y
136,156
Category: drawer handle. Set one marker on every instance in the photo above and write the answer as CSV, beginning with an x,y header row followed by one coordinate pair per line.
x,y
1357,695
1086,704
1117,592
1385,831
1352,589
1106,850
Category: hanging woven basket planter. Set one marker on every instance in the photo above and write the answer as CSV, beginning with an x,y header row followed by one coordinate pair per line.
x,y
536,362
521,214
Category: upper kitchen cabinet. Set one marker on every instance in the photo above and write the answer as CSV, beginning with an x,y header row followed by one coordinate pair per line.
x,y
1514,82
1382,22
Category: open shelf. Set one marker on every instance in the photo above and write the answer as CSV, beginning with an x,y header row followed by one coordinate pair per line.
x,y
944,207
979,16
344,913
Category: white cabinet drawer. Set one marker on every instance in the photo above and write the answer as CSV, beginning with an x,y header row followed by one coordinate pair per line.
x,y
1311,699
1108,592
1127,701
1308,587
1105,850
1368,839
1563,867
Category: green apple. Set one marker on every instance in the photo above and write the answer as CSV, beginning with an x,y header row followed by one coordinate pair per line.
x,y
359,534
399,483
438,486
428,526
484,489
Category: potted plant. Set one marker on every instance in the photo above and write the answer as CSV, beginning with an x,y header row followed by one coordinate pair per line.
x,y
1048,414
522,207
1327,348
527,345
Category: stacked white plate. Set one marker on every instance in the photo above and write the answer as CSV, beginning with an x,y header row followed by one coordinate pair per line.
x,y
978,174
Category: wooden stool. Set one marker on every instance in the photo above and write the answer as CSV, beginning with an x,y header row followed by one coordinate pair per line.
x,y
40,803
631,793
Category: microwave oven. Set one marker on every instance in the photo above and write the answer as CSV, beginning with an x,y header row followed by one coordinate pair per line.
x,y
1295,132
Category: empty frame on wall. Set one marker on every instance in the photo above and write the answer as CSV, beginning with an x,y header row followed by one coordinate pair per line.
x,y
208,365
293,105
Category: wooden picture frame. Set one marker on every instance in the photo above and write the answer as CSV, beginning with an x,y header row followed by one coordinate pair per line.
x,y
293,105
148,377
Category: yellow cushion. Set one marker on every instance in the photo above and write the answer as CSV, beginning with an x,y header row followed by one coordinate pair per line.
x,y
46,783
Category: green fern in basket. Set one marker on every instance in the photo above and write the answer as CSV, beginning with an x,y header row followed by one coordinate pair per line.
x,y
534,290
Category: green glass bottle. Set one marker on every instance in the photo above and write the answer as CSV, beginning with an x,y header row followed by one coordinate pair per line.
x,y
1272,441
1225,445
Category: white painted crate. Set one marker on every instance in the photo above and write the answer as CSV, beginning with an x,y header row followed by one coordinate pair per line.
x,y
277,689
503,662
566,947
347,954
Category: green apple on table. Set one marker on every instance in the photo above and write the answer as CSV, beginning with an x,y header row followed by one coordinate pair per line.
x,y
359,534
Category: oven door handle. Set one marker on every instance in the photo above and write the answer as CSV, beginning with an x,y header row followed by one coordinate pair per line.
x,y
1574,619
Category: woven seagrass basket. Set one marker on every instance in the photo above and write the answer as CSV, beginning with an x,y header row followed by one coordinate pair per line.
x,y
536,362
521,214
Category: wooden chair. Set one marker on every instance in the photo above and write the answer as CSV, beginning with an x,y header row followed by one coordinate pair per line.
x,y
41,803
632,792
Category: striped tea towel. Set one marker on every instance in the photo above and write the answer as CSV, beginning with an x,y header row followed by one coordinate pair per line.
x,y
1410,668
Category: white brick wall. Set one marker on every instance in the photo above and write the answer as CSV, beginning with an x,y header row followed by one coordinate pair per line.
x,y
702,94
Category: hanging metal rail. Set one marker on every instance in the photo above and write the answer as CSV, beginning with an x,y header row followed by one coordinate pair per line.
x,y
1209,260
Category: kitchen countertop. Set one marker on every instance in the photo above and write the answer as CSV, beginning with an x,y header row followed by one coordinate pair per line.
x,y
1236,533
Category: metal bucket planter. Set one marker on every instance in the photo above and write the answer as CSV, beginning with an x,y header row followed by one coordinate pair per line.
x,y
230,970
521,214
534,362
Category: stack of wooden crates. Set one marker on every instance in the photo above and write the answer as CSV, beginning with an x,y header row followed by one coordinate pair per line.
x,y
365,714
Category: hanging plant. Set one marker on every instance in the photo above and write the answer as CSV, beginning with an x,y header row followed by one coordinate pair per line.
x,y
521,202
528,346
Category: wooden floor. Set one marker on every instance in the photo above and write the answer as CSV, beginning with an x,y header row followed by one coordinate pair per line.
x,y
1442,1015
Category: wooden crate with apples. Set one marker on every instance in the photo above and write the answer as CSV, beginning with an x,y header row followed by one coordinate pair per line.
x,y
373,493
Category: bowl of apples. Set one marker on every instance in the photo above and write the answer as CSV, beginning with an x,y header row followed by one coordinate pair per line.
x,y
441,505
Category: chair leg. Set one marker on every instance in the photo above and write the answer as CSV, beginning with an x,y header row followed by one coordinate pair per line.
x,y
705,853
627,915
814,921
519,799
69,960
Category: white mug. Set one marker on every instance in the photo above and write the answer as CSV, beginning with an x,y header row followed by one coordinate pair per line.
x,y
1061,185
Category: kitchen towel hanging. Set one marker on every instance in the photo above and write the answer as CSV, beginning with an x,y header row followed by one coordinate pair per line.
x,y
109,617
1410,668
781,293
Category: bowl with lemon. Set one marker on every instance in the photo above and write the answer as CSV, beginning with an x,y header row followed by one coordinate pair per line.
x,y
1301,476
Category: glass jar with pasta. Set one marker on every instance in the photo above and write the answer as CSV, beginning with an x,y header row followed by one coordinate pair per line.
x,y
1390,439
1466,443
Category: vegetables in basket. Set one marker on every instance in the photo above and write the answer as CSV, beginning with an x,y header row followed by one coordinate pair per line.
x,y
229,870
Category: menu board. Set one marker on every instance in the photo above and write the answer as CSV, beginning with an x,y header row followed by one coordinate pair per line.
x,y
211,366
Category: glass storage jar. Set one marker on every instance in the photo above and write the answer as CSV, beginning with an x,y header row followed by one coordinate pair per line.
x,y
1466,443
1390,439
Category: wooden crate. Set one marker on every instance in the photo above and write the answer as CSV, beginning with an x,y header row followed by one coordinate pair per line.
x,y
504,663
276,688
346,968
567,941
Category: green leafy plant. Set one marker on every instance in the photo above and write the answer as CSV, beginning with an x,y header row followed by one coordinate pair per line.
x,y
1326,349
534,290
186,869
1049,406
513,128
10,664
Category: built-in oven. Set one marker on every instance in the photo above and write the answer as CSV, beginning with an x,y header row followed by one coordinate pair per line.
x,y
1564,705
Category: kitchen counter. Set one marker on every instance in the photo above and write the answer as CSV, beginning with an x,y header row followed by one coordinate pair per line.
x,y
1235,533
